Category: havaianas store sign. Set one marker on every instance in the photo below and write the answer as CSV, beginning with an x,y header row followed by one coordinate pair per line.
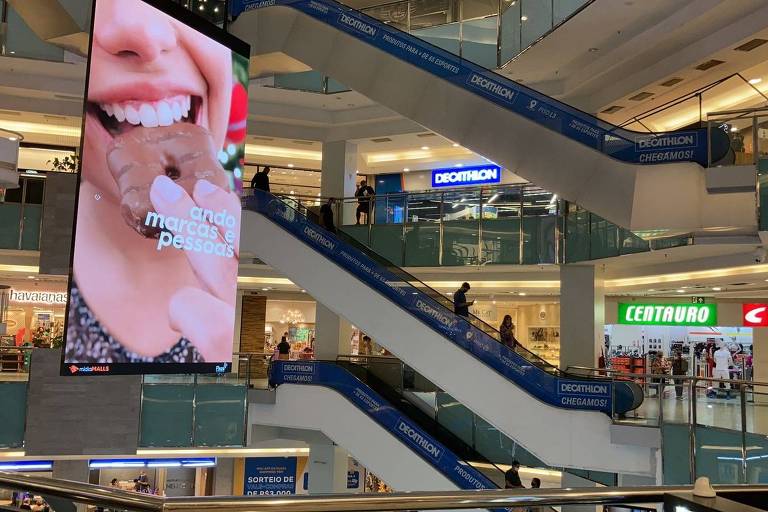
x,y
479,175
694,315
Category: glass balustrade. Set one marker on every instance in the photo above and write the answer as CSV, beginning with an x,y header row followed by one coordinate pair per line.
x,y
487,32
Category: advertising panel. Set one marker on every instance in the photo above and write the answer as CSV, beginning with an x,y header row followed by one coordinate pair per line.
x,y
154,263
273,476
755,315
703,315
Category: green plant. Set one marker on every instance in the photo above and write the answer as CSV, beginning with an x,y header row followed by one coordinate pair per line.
x,y
69,163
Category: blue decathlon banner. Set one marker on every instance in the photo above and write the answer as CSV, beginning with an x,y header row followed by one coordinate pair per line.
x,y
619,143
321,373
436,316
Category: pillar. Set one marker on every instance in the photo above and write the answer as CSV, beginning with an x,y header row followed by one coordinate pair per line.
x,y
74,470
333,334
252,321
339,169
760,374
223,477
327,469
582,315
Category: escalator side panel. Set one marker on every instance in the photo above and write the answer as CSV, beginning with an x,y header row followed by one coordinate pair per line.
x,y
559,437
327,374
571,394
625,145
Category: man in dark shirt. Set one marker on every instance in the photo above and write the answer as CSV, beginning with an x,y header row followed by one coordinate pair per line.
x,y
512,477
326,216
460,304
260,180
364,193
283,349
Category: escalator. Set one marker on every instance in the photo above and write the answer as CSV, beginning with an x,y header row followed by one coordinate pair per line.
x,y
613,172
513,390
323,395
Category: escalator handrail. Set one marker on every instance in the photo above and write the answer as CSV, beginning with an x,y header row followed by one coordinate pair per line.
x,y
434,294
433,423
333,376
587,129
581,393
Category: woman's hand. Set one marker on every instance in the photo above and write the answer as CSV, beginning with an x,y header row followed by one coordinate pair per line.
x,y
204,315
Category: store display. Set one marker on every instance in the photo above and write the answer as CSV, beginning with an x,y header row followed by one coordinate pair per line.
x,y
545,343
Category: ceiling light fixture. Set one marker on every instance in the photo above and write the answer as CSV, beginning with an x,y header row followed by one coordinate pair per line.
x,y
522,294
716,289
290,165
424,148
755,81
523,18
455,145
680,291
406,169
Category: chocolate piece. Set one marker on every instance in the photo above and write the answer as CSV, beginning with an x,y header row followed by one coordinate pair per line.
x,y
183,152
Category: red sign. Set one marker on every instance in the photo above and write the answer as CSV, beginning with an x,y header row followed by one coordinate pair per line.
x,y
755,315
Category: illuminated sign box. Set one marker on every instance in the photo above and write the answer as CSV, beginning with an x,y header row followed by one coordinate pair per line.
x,y
479,175
668,314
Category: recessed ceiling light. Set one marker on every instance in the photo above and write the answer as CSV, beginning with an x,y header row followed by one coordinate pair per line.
x,y
755,81
459,165
593,50
30,277
734,129
11,52
523,18
13,139
424,148
265,289
680,291
522,294
406,169
455,145
303,291
716,289
290,165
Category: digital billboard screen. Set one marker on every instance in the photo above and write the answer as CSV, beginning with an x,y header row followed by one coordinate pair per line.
x,y
153,280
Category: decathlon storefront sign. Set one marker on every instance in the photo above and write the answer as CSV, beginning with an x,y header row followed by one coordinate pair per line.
x,y
668,314
479,175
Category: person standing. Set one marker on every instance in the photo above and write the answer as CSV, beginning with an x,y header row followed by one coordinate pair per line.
x,y
512,477
460,304
679,368
326,216
723,363
260,180
507,331
283,349
364,194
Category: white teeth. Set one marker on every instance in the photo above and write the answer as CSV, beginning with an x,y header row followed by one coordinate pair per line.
x,y
132,115
119,113
150,114
164,114
176,111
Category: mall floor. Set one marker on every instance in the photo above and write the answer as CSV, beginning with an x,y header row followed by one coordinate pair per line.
x,y
714,412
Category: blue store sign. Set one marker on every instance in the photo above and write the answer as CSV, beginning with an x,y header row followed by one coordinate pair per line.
x,y
479,175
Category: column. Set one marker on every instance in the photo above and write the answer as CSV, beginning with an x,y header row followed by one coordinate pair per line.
x,y
327,469
582,315
333,334
252,321
223,477
339,168
75,470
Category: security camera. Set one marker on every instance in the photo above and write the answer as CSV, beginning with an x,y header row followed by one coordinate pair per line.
x,y
760,255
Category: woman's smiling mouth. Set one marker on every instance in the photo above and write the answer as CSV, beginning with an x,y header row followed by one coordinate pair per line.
x,y
119,117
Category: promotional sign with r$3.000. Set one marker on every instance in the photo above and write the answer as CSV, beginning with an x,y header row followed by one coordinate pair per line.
x,y
157,226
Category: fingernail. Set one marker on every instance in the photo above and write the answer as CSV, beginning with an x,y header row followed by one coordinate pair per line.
x,y
204,187
167,189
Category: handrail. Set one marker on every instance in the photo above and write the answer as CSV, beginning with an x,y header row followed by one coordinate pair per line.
x,y
430,500
619,373
440,299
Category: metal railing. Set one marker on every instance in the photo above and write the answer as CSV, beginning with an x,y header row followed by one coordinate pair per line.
x,y
89,494
746,134
747,391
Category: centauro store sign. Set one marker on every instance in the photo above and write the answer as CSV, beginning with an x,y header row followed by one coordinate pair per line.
x,y
668,314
